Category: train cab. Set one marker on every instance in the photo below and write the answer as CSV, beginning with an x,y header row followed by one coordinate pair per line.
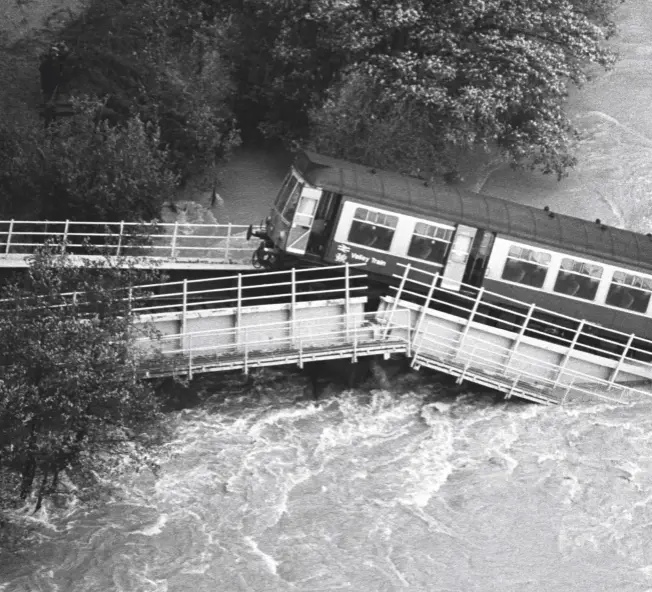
x,y
302,219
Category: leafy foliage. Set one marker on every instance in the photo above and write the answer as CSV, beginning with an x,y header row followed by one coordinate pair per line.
x,y
20,165
468,73
162,60
84,168
69,393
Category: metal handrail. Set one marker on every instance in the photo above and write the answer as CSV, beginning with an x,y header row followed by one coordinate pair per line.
x,y
515,313
138,293
178,235
539,379
192,356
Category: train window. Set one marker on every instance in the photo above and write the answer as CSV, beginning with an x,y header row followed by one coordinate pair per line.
x,y
526,266
430,243
372,229
579,279
294,191
629,291
285,190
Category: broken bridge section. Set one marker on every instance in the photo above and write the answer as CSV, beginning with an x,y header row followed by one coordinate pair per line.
x,y
516,348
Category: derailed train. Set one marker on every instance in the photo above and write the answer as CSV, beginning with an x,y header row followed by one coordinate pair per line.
x,y
330,211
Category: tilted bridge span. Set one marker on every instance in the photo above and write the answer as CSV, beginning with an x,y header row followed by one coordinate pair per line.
x,y
296,317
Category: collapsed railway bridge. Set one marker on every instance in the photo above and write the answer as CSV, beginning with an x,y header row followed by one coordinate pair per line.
x,y
237,319
301,316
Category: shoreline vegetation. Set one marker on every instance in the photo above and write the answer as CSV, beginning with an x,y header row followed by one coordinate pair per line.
x,y
130,101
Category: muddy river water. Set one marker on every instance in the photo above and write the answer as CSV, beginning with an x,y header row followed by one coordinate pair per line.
x,y
404,486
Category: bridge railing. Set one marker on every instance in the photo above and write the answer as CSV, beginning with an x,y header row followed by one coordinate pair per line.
x,y
224,242
233,291
346,335
525,320
530,373
293,285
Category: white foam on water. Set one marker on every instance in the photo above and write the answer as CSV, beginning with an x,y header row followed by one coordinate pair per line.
x,y
154,529
270,563
429,466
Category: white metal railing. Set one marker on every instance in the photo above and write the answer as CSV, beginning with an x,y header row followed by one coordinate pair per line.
x,y
158,239
249,290
234,290
238,290
482,356
514,316
347,333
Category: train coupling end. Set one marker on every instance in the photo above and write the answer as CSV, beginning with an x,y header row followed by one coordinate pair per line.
x,y
257,231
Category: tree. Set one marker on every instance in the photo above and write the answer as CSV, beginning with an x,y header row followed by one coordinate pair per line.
x,y
94,170
85,168
20,136
160,59
69,389
489,74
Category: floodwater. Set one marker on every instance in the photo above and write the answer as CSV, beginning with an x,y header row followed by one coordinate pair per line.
x,y
410,488
405,484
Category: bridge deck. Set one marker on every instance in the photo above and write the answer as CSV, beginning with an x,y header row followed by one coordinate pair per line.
x,y
514,360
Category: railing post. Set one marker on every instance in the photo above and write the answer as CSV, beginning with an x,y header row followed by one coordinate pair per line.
x,y
189,355
228,243
238,312
461,377
65,237
11,230
396,299
564,362
467,327
354,359
509,393
568,389
422,314
246,353
122,229
517,341
173,250
621,361
347,300
131,298
184,310
293,303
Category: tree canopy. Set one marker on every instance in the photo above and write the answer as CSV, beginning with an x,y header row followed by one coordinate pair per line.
x,y
459,74
69,391
85,168
161,59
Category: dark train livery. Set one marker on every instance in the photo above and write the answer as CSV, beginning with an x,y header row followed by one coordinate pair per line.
x,y
332,211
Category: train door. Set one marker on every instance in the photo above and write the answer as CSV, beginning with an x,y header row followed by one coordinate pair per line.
x,y
458,257
479,257
302,221
323,224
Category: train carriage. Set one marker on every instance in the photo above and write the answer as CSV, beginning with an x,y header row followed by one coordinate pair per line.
x,y
332,211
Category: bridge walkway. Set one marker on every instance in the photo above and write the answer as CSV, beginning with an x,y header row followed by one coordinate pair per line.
x,y
165,246
519,349
304,315
285,317
469,337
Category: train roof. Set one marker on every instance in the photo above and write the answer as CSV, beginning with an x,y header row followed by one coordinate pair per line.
x,y
405,193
